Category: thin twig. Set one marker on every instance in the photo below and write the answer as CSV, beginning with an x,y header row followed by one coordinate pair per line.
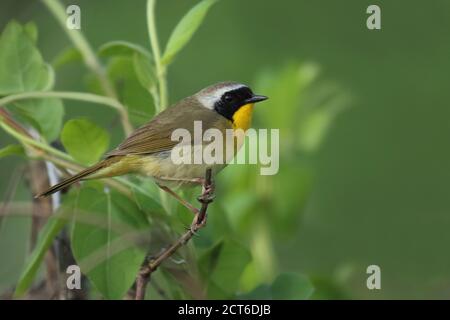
x,y
69,95
199,222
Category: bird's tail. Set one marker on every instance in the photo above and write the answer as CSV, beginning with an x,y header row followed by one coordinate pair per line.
x,y
77,177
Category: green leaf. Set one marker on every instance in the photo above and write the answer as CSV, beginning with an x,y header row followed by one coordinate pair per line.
x,y
45,115
185,29
51,229
144,71
122,48
21,65
13,149
14,244
128,211
222,266
169,287
147,198
285,87
262,292
287,286
138,100
326,102
51,77
291,286
105,243
84,140
313,129
31,30
66,56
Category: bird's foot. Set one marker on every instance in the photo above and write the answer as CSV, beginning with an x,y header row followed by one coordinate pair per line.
x,y
198,223
208,190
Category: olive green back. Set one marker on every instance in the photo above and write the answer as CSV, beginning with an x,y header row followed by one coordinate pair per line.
x,y
155,136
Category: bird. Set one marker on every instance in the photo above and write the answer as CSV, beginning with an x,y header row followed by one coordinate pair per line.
x,y
225,106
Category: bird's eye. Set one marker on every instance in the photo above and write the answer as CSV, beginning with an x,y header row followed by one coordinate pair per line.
x,y
228,98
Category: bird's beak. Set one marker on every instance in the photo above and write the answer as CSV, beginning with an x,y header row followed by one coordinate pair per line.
x,y
256,98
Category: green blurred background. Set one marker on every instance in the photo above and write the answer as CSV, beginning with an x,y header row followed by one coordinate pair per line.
x,y
375,191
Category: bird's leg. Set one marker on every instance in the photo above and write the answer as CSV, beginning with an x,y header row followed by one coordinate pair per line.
x,y
198,222
208,188
205,199
189,206
199,181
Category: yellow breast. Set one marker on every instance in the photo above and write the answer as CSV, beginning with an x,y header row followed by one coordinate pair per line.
x,y
242,119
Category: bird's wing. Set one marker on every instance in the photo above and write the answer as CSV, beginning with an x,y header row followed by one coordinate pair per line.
x,y
155,136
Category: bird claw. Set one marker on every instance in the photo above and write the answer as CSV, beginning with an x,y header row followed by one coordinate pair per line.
x,y
208,189
196,224
207,195
206,198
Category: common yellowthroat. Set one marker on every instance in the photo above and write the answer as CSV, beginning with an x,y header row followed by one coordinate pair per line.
x,y
147,151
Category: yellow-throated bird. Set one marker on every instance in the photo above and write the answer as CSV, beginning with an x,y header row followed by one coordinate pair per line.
x,y
147,151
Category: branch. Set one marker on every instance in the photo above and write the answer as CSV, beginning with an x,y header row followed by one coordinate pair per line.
x,y
199,222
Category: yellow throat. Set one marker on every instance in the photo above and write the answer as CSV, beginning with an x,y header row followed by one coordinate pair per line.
x,y
242,119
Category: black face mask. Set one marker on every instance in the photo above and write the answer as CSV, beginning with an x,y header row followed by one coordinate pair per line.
x,y
231,101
